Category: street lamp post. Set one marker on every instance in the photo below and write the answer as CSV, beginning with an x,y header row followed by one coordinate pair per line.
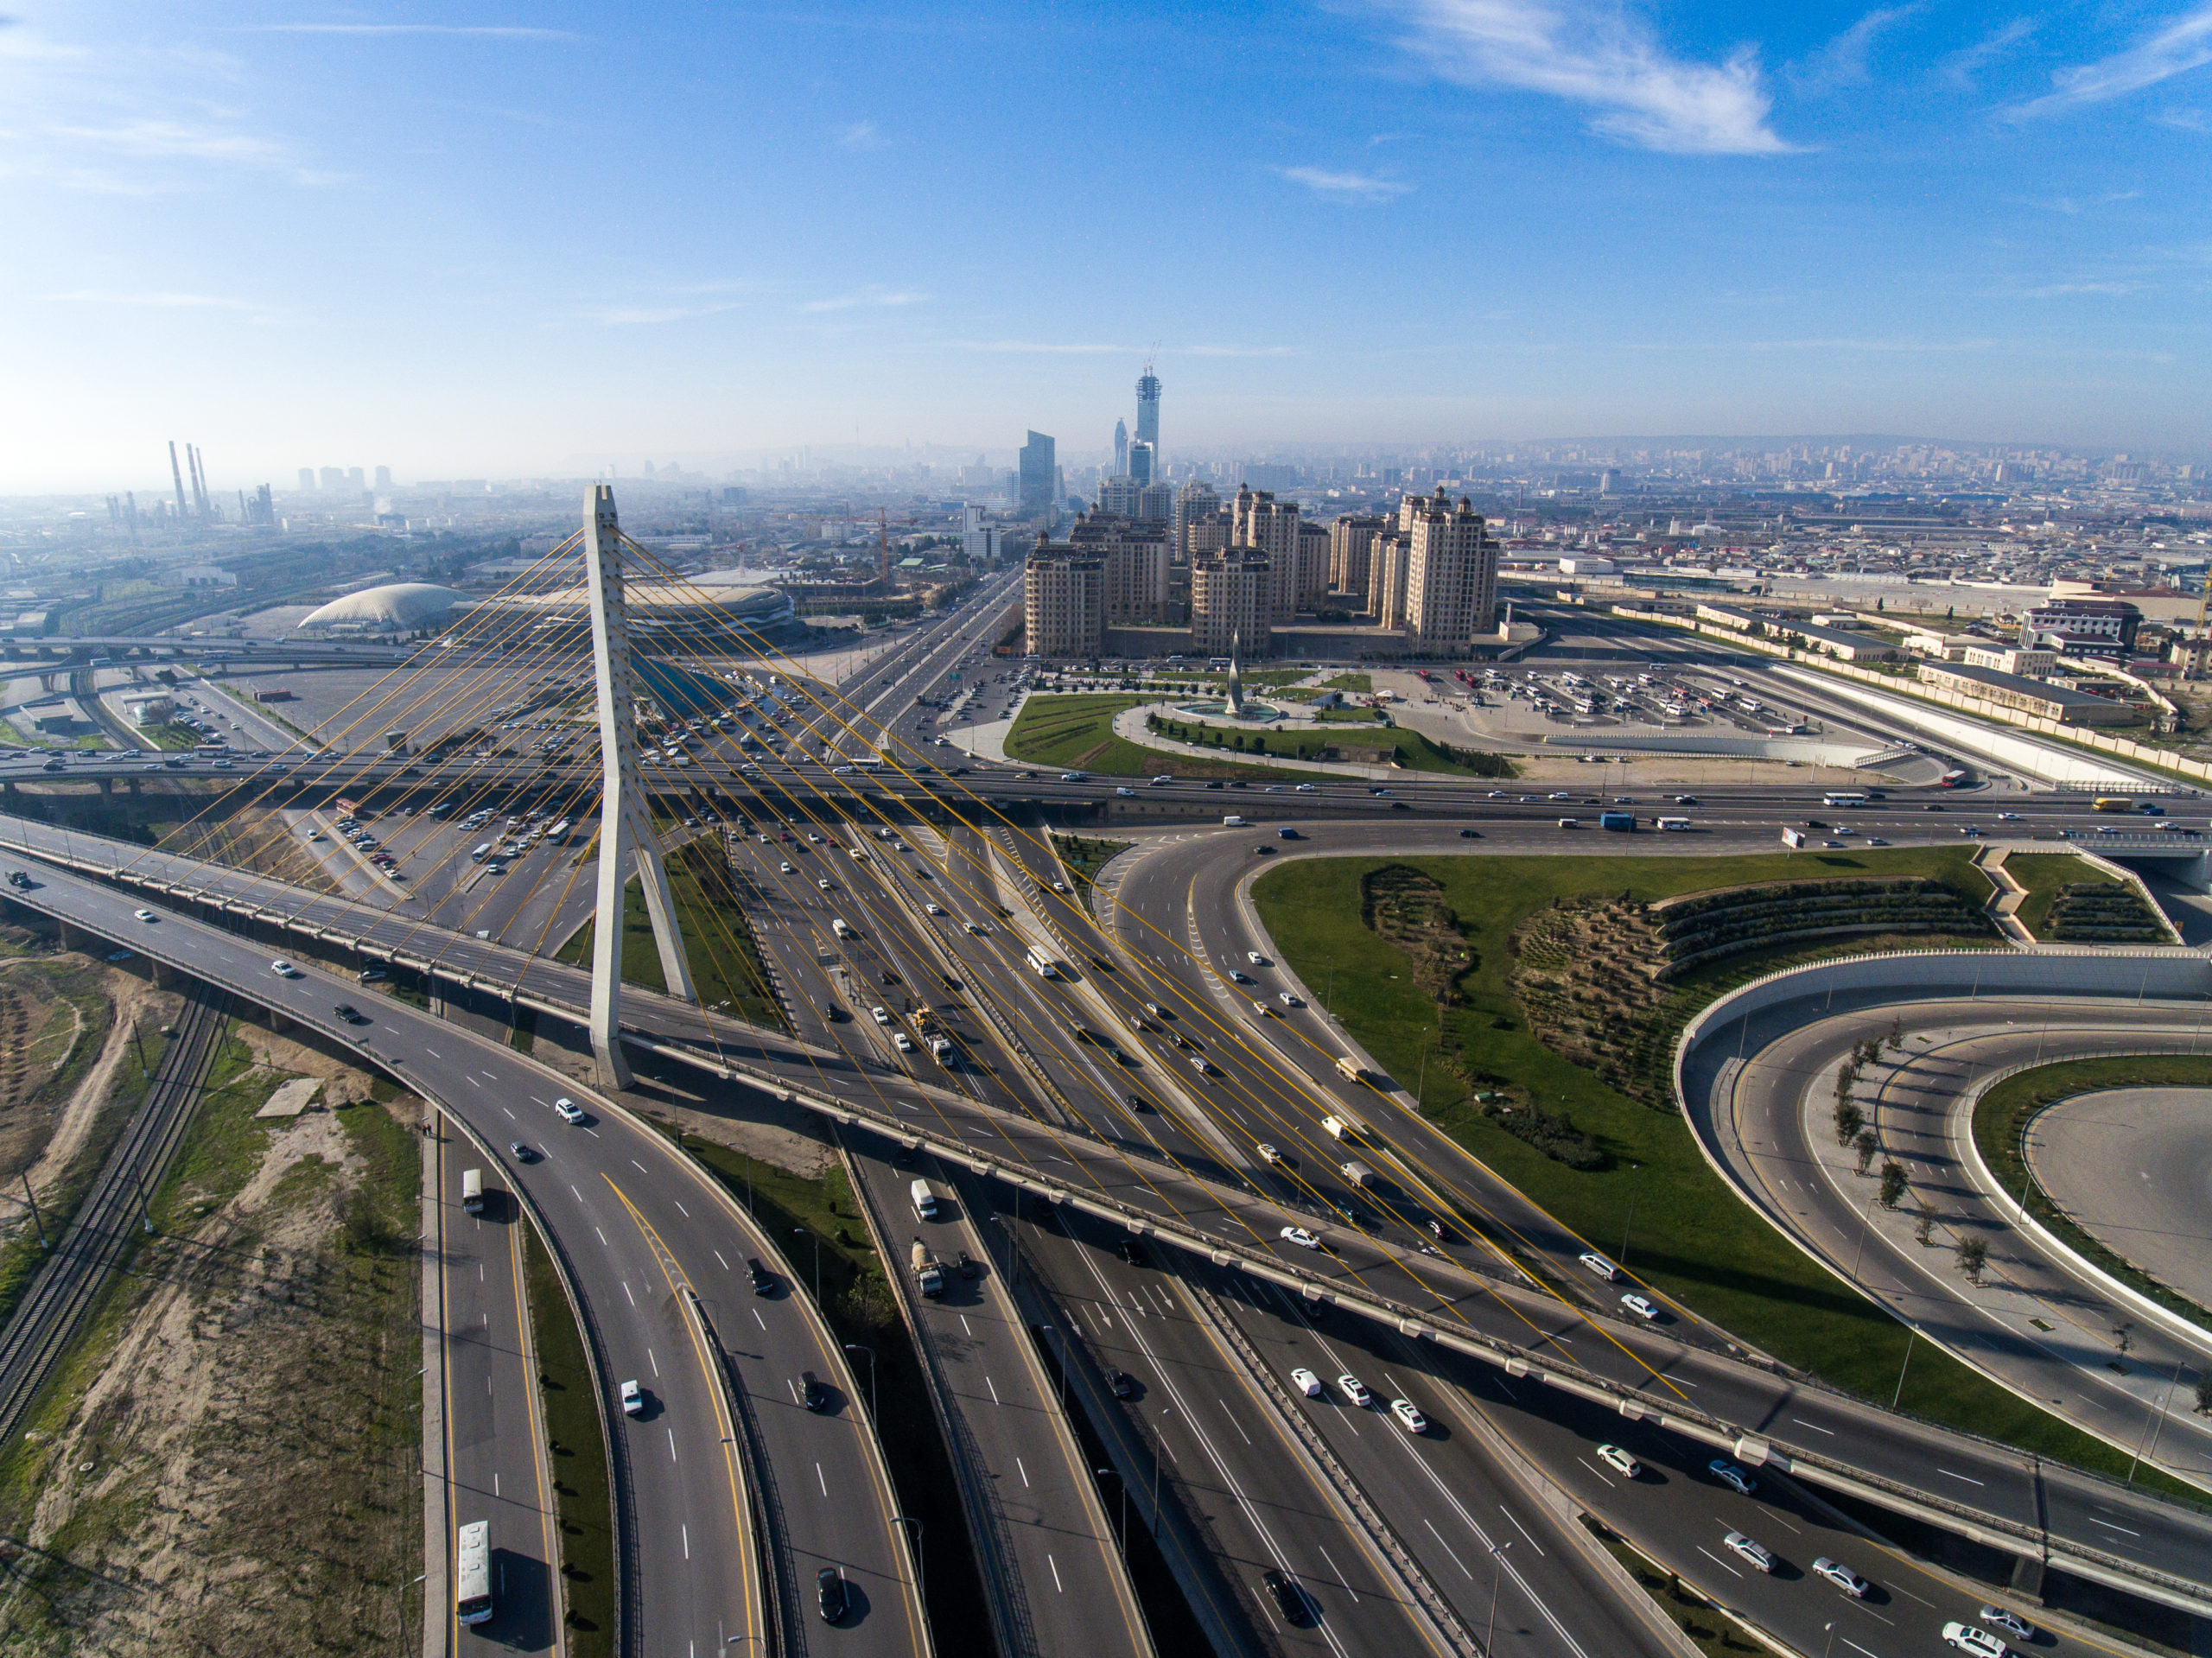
x,y
1634,1169
855,1347
1497,1572
801,1232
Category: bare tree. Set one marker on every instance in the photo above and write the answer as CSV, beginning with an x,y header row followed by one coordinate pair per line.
x,y
1924,1231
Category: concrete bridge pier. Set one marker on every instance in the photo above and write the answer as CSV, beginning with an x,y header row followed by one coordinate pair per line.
x,y
2027,1577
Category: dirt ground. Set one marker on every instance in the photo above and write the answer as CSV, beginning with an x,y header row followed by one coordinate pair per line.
x,y
253,838
228,1460
1660,770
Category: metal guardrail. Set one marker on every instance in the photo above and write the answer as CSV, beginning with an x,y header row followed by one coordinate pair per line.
x,y
775,1591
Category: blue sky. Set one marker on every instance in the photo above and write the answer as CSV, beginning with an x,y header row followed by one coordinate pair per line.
x,y
464,238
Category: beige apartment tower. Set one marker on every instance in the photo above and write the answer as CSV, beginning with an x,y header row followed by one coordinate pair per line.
x,y
1451,579
1231,599
1064,602
1267,527
1352,544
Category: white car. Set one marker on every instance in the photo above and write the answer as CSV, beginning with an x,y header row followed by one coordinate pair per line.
x,y
2014,817
1619,1461
1641,1308
1255,958
145,915
785,867
1153,1008
283,969
1409,1416
1745,1549
1306,788
1842,1576
568,1110
633,1398
1302,1237
1967,1638
1267,1153
824,884
1287,999
1260,1010
1597,1263
934,909
1356,1390
1728,1474
879,1015
1306,1381
2012,1622
902,1041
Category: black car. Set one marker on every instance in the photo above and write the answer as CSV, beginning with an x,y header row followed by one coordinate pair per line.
x,y
811,1391
1470,834
829,1593
1131,1251
1137,1101
1123,1384
1934,809
764,1282
351,1015
1263,850
966,1265
1288,1596
1215,784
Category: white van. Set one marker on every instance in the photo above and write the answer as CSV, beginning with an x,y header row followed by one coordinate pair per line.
x,y
924,1199
841,929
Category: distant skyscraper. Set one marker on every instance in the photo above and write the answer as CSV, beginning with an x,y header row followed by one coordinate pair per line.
x,y
1156,502
307,476
1149,406
1143,457
354,479
384,477
1039,478
1121,448
333,478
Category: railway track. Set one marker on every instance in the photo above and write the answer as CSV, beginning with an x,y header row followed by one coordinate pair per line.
x,y
54,1309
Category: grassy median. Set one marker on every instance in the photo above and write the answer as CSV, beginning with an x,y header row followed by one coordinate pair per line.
x,y
1691,1236
2042,873
718,941
573,1430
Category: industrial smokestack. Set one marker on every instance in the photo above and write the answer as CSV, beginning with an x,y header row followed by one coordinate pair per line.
x,y
177,476
199,483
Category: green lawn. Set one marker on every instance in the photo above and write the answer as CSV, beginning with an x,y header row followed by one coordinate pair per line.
x,y
2042,873
1358,684
717,939
585,1505
1692,1237
1078,732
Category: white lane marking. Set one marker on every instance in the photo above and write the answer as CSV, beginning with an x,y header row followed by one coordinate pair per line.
x,y
687,1542
1718,1561
993,1385
510,1115
638,1167
1970,1482
718,1256
2108,1526
681,1210
495,1482
1061,1588
626,1290
1341,1578
1815,1426
433,1053
655,1362
819,1480
1447,1548
1518,1527
757,1319
1023,1471
963,1324
1855,1646
1233,1422
671,1444
472,1082
1608,1483
602,1237
578,1196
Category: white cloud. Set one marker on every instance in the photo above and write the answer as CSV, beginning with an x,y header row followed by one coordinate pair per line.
x,y
175,141
861,135
1595,55
1842,61
1345,186
1963,65
625,316
866,297
2183,45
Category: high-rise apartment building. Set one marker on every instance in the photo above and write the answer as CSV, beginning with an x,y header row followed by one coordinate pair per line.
x,y
1194,501
1038,486
1232,599
1063,601
1148,408
384,478
1386,582
1134,555
1143,457
1451,579
1156,503
355,479
1352,542
307,476
1312,564
1118,495
333,478
1266,525
979,542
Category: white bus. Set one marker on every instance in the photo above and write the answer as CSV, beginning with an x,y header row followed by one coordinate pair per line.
x,y
1843,798
472,1573
1045,966
558,833
1663,824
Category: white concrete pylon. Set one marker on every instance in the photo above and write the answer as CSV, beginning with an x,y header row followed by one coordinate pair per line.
x,y
626,825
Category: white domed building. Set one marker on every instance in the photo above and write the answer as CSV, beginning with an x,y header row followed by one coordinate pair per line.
x,y
715,609
395,607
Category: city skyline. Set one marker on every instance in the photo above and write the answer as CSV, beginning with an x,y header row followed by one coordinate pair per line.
x,y
294,235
